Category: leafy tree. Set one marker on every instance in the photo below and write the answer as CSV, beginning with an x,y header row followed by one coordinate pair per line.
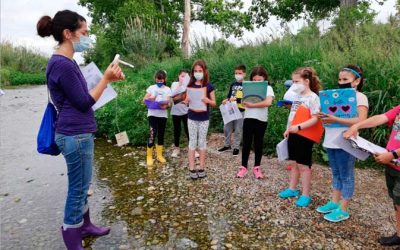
x,y
110,19
288,10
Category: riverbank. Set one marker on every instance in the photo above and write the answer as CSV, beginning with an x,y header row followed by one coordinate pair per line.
x,y
160,207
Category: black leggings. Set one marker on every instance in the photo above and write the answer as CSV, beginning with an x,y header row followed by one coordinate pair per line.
x,y
177,119
253,129
156,129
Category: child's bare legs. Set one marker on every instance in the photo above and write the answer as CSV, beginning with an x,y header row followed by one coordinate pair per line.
x,y
397,207
305,173
191,153
294,175
203,153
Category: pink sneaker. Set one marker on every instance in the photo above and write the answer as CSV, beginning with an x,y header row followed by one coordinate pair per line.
x,y
257,172
242,172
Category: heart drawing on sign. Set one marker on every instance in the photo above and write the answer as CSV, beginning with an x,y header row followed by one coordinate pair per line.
x,y
345,108
332,109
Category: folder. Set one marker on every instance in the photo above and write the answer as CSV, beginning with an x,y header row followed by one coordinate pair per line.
x,y
314,132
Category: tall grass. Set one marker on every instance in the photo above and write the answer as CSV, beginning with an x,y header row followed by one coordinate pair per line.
x,y
375,47
20,65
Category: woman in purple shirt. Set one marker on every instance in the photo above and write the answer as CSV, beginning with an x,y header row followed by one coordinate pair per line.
x,y
76,123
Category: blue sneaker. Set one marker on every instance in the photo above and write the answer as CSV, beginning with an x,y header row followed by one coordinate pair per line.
x,y
287,193
337,215
328,207
303,201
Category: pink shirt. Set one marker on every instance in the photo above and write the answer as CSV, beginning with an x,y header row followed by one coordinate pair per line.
x,y
394,120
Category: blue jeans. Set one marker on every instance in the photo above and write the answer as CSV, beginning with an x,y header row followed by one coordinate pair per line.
x,y
342,165
78,154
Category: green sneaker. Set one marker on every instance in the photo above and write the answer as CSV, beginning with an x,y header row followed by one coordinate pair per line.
x,y
303,201
328,207
287,193
337,215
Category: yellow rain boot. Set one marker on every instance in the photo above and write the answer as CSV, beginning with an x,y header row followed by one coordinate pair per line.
x,y
150,156
159,151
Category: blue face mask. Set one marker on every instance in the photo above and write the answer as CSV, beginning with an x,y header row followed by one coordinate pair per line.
x,y
83,44
160,84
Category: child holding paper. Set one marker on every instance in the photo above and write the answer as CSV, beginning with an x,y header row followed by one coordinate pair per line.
x,y
235,94
255,124
341,162
179,110
198,120
392,169
306,85
157,117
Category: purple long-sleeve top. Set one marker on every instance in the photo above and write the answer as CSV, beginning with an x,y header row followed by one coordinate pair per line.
x,y
70,95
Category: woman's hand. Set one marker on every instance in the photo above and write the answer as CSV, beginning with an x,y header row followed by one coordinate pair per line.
x,y
286,134
293,129
206,100
352,131
224,101
164,106
248,104
232,99
384,158
113,73
151,97
186,101
327,119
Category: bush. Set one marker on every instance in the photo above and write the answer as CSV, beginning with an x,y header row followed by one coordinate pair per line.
x,y
19,78
327,53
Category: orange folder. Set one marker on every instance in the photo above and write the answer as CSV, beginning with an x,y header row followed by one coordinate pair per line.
x,y
314,132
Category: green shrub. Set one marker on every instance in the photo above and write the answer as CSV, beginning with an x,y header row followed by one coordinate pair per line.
x,y
327,53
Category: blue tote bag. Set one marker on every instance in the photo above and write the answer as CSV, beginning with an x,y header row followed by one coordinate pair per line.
x,y
45,139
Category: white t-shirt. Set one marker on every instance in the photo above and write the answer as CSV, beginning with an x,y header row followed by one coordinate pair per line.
x,y
332,133
259,113
179,108
311,101
161,94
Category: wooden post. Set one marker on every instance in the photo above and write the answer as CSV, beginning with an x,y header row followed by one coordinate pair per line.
x,y
186,29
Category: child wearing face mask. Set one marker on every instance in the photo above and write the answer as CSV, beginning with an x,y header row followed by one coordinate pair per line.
x,y
198,121
179,110
255,124
235,94
341,162
306,85
157,118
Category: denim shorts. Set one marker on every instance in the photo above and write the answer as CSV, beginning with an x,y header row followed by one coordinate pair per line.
x,y
78,153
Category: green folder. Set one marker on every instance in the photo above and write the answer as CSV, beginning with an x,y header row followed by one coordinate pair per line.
x,y
254,92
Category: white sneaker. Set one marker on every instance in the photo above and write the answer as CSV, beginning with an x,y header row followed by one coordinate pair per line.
x,y
175,152
196,154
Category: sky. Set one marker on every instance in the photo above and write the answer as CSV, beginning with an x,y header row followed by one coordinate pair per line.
x,y
19,18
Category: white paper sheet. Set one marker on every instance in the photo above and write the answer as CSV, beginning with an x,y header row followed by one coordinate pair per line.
x,y
346,146
230,112
93,75
282,150
195,98
368,146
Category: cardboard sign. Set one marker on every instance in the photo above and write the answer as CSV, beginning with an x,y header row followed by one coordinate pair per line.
x,y
340,103
122,138
314,132
254,92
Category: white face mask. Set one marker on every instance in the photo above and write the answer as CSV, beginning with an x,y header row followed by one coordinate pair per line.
x,y
239,78
198,75
297,88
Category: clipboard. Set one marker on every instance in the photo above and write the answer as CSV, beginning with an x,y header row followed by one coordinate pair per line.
x,y
314,132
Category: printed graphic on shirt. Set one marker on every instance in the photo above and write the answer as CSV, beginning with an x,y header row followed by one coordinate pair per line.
x,y
237,92
396,127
